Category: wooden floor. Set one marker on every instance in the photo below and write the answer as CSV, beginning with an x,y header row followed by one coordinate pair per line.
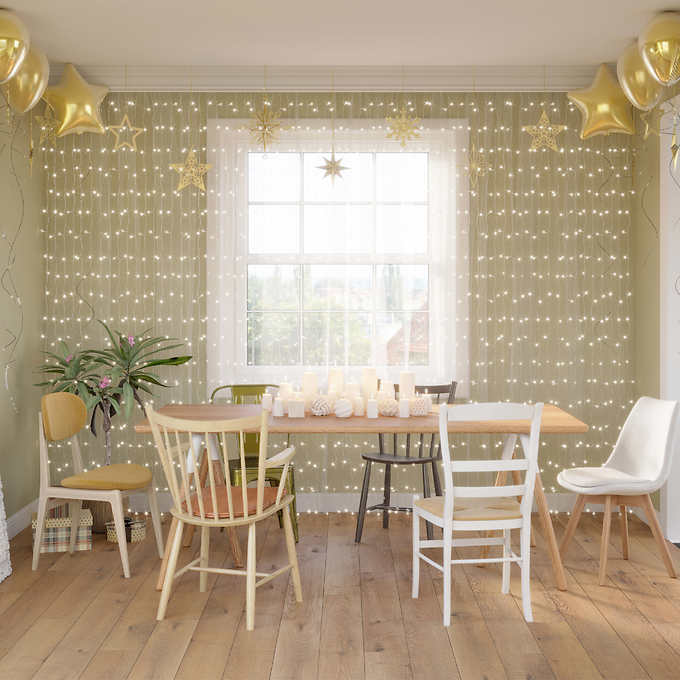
x,y
76,617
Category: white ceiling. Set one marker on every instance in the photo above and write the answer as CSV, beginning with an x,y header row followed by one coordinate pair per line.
x,y
100,36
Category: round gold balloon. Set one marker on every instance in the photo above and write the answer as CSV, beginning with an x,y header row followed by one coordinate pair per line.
x,y
14,44
659,46
24,91
76,103
642,90
604,107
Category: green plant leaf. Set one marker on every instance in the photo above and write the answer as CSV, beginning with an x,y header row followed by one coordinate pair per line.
x,y
128,399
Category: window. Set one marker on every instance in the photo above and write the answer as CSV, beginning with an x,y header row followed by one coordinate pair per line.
x,y
308,272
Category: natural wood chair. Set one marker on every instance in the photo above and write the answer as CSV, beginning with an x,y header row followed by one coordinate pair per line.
x,y
218,504
638,466
62,416
424,455
482,508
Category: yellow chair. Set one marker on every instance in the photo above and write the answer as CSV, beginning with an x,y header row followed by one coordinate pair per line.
x,y
245,394
62,416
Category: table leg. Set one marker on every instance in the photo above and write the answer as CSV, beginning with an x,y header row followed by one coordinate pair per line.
x,y
166,555
549,534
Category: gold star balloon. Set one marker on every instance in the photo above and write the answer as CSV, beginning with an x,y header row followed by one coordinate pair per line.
x,y
544,133
127,132
604,106
266,126
478,166
402,127
48,126
76,103
652,122
191,172
332,167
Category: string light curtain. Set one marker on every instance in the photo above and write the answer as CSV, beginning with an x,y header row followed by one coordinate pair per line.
x,y
548,256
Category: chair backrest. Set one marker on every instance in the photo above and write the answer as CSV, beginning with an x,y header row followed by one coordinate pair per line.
x,y
485,412
62,415
174,437
647,440
441,394
243,394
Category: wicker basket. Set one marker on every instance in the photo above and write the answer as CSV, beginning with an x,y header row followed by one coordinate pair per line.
x,y
135,530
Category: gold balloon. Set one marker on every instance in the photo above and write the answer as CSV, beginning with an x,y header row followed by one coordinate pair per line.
x,y
604,106
642,90
14,44
76,103
24,91
659,46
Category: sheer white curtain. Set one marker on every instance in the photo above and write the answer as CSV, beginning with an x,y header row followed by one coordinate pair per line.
x,y
5,564
370,268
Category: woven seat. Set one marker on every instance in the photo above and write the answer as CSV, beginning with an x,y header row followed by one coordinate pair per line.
x,y
473,509
124,476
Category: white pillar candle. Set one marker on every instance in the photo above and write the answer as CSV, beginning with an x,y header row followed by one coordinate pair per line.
x,y
277,409
404,408
309,384
285,390
296,406
358,403
336,380
267,401
353,389
372,408
387,388
407,384
369,382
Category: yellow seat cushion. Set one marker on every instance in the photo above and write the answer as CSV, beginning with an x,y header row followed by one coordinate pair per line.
x,y
121,476
473,509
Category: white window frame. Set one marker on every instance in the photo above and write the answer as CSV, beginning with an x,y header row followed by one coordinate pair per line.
x,y
229,142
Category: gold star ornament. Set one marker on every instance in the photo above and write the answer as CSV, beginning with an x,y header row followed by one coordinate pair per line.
x,y
478,166
48,126
191,172
544,133
126,134
76,103
604,106
332,167
266,126
403,127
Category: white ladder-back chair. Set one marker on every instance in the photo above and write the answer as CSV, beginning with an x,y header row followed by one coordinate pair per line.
x,y
638,466
62,416
219,504
482,508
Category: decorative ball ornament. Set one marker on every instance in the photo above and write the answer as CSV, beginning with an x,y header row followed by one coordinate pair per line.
x,y
659,46
321,406
76,103
604,106
419,406
387,406
642,90
343,408
14,44
27,86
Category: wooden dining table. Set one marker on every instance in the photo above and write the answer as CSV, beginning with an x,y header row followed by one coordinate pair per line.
x,y
555,421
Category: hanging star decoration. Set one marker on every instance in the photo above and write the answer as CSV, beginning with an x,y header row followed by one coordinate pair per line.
x,y
544,133
652,122
266,126
48,126
332,167
478,166
127,132
403,127
191,172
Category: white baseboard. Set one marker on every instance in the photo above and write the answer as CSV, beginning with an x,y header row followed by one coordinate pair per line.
x,y
17,522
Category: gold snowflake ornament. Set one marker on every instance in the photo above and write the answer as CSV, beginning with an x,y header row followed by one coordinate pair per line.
x,y
332,167
48,126
127,132
544,133
403,127
191,172
266,126
478,166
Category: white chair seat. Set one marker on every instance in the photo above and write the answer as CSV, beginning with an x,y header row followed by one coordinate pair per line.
x,y
595,481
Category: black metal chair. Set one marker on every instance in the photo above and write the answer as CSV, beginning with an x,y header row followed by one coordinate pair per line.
x,y
394,458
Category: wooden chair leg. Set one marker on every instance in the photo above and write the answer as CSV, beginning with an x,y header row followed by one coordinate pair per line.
x,y
119,520
39,529
205,556
176,546
236,552
74,510
250,579
429,532
623,517
573,523
387,492
292,553
648,507
156,519
363,501
166,554
604,544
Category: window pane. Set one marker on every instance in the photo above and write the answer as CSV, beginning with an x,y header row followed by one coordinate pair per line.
x,y
273,229
355,184
336,339
273,339
402,339
274,177
401,229
338,229
401,177
337,287
401,287
273,286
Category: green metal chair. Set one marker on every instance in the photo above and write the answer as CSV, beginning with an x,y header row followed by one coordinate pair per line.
x,y
252,394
